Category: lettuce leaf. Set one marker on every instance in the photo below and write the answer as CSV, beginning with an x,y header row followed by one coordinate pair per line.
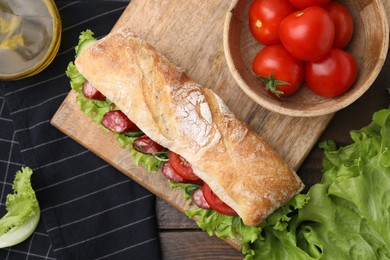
x,y
96,109
347,214
23,211
220,225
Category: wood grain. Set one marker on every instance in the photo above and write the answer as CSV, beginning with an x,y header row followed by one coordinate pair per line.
x,y
190,33
181,246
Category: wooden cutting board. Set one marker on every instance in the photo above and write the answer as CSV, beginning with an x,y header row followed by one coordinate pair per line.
x,y
190,34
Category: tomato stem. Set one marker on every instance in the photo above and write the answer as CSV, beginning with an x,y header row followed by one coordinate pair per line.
x,y
270,84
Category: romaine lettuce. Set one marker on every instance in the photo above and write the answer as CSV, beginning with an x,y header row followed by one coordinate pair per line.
x,y
347,215
23,211
232,227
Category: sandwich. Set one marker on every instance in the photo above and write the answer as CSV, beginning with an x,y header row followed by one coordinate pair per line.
x,y
170,114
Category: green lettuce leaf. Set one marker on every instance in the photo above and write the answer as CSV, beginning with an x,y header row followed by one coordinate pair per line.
x,y
188,188
150,162
347,214
220,225
23,211
224,227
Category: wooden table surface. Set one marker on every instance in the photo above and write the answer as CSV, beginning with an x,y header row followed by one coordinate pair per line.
x,y
180,237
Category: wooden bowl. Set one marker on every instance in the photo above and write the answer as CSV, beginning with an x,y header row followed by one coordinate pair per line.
x,y
368,45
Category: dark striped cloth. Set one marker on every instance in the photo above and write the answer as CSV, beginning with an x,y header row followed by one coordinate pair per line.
x,y
89,209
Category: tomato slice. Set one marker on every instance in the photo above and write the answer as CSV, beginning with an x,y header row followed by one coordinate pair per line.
x,y
182,167
216,203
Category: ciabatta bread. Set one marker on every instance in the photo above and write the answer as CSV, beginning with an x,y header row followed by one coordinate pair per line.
x,y
176,112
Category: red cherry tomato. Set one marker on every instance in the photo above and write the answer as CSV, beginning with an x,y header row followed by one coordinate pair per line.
x,y
307,34
144,144
343,24
265,17
331,75
275,61
216,203
302,4
182,167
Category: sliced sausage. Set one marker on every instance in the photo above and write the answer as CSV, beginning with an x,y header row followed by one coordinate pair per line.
x,y
170,174
118,122
91,92
199,199
144,144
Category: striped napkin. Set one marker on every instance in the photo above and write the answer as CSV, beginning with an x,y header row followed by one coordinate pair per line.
x,y
89,210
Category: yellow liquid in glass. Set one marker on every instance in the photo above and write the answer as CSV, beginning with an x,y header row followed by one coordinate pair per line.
x,y
30,33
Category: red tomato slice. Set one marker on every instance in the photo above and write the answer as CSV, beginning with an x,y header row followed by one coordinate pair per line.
x,y
182,167
307,34
343,24
265,17
331,75
216,203
302,4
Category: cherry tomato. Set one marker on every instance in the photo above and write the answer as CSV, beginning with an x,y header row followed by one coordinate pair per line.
x,y
216,203
331,75
280,73
144,144
265,17
307,34
343,24
302,4
182,167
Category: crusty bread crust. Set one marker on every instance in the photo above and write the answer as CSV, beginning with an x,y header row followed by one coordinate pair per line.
x,y
172,109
